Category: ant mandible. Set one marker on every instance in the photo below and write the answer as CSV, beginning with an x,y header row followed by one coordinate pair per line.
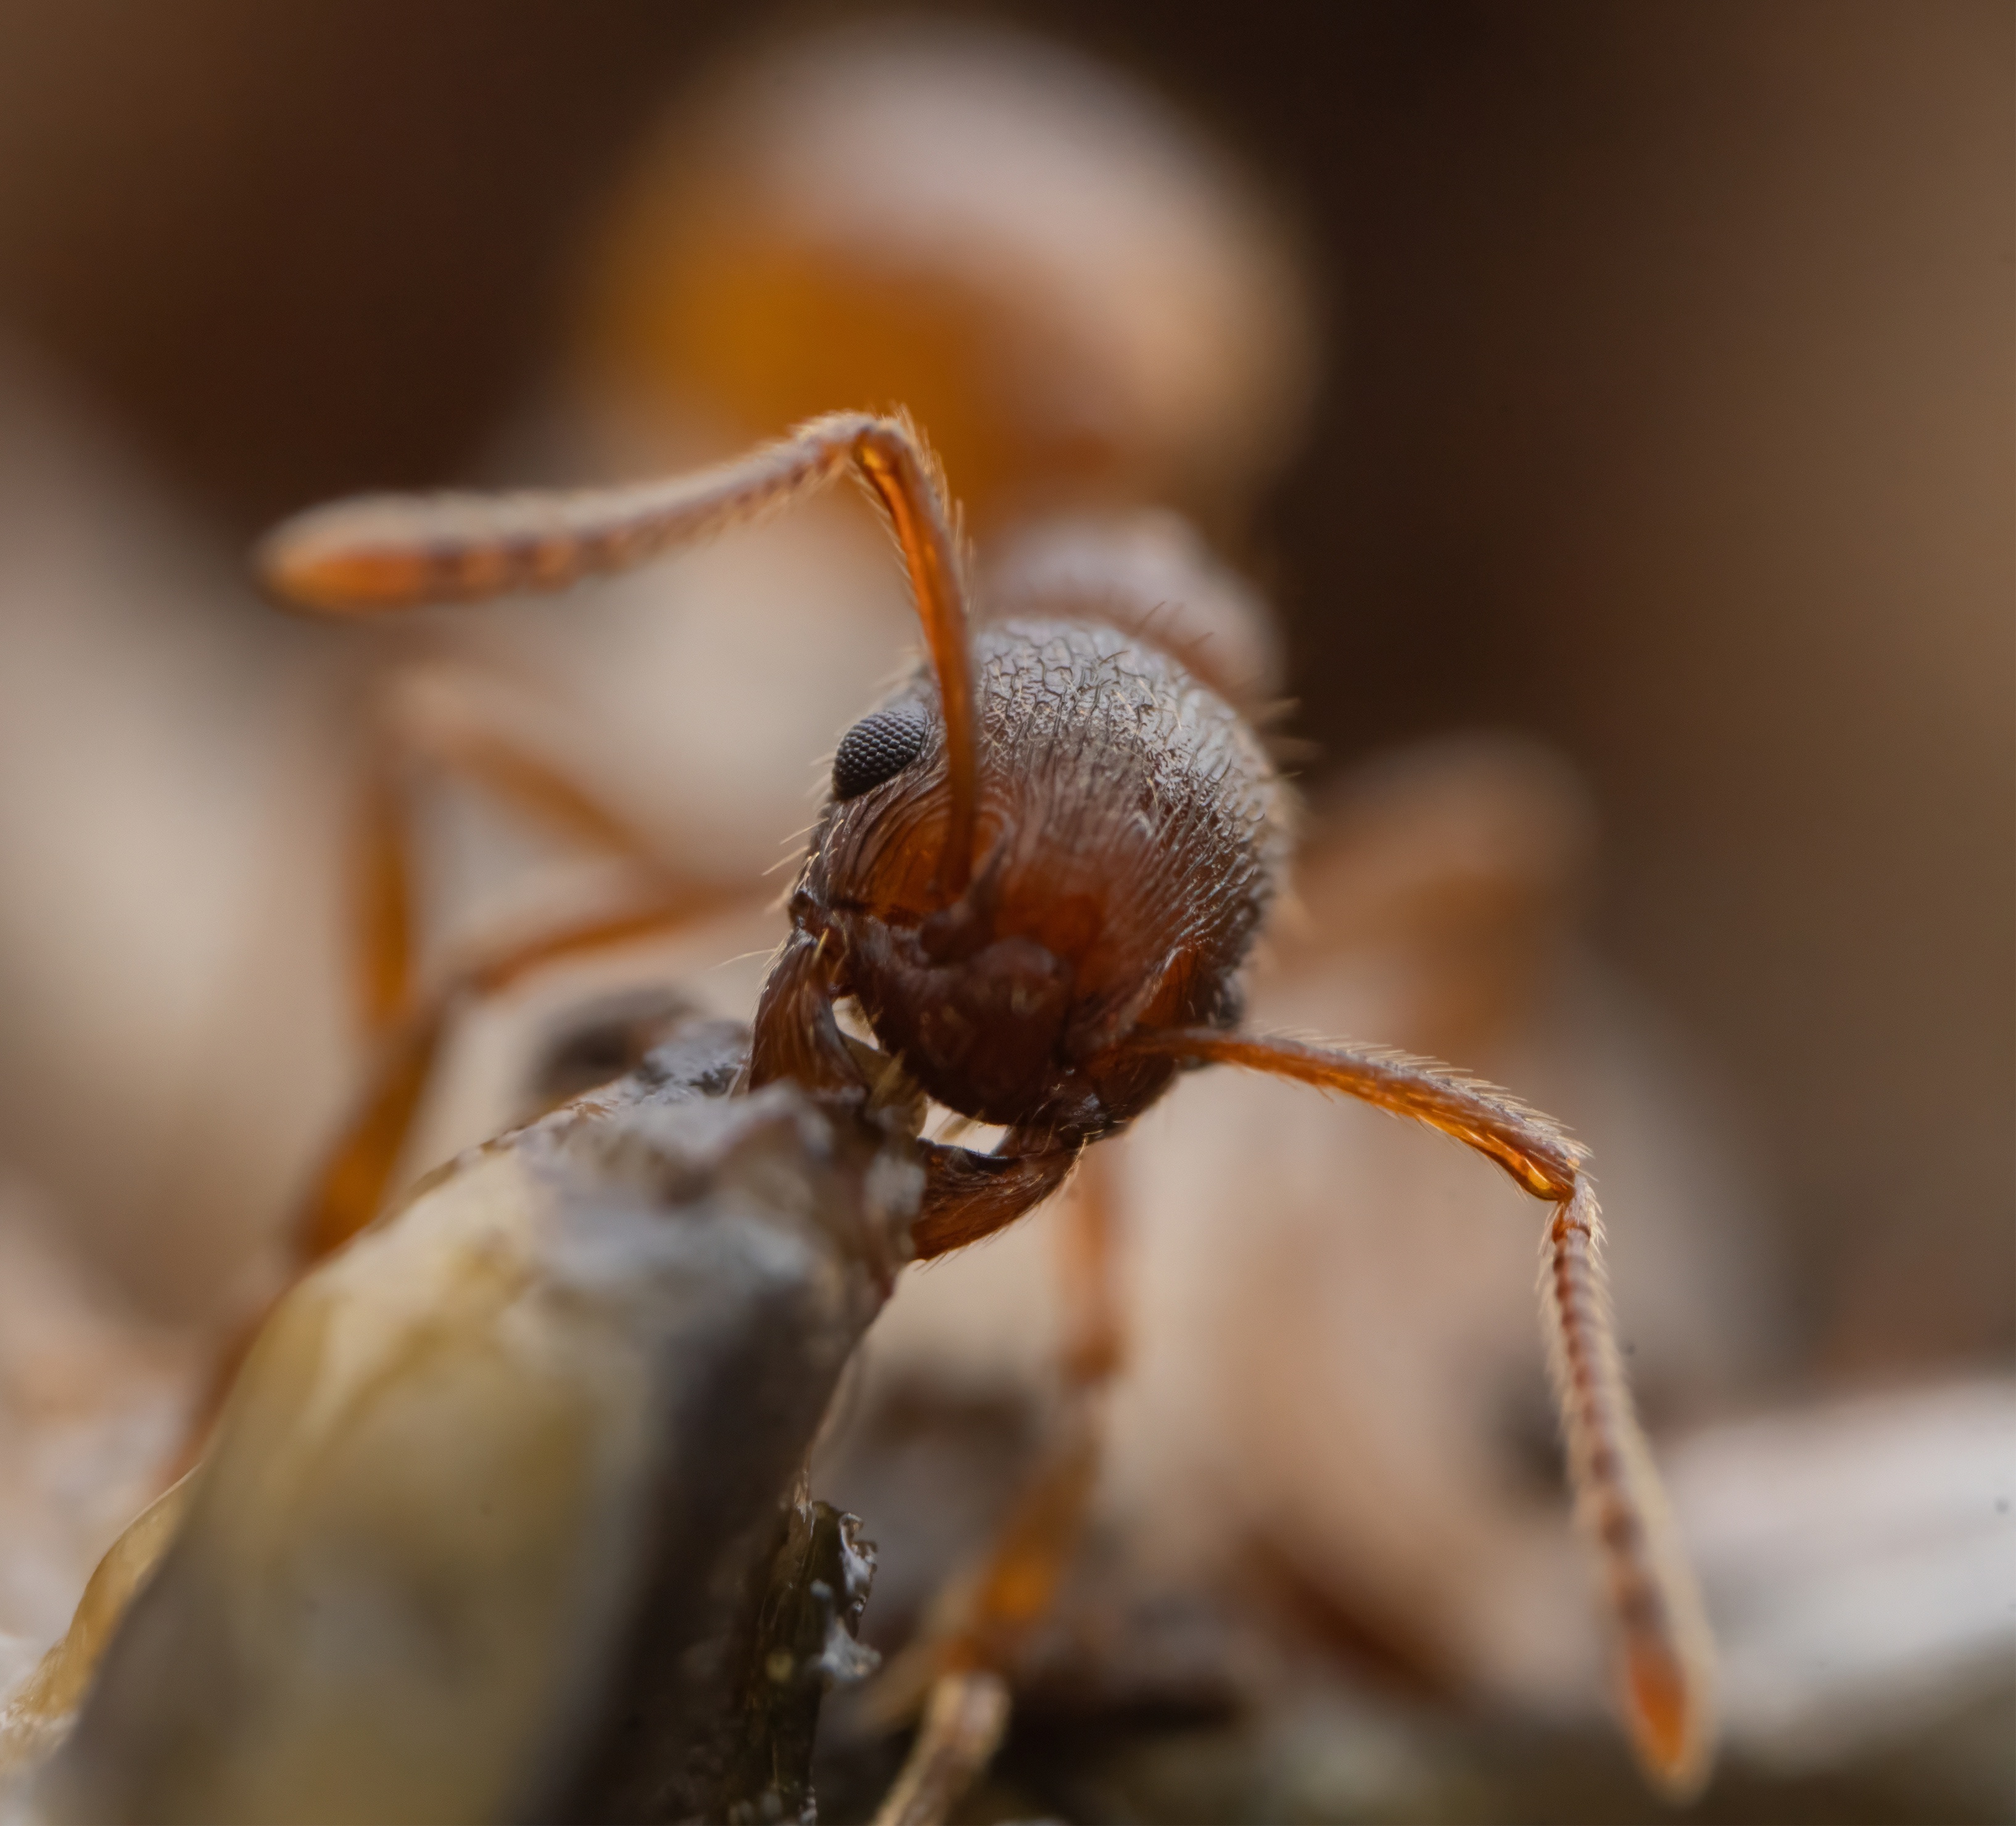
x,y
1045,857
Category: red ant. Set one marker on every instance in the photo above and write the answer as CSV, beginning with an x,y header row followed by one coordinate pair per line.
x,y
1046,856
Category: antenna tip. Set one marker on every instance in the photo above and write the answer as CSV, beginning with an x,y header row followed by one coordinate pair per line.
x,y
336,559
1668,1712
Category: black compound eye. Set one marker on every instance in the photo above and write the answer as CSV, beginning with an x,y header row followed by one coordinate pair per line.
x,y
877,748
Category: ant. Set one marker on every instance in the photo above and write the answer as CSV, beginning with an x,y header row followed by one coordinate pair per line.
x,y
1045,859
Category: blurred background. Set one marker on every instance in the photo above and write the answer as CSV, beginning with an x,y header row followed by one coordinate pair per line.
x,y
1662,411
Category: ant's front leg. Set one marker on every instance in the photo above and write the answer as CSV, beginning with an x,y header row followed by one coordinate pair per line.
x,y
445,728
985,1621
349,1187
450,722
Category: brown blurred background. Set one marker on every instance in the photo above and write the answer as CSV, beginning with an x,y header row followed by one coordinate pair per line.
x,y
1669,414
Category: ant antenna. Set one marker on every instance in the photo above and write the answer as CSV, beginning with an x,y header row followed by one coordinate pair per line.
x,y
381,553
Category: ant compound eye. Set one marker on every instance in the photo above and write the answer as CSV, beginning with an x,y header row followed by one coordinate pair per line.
x,y
877,748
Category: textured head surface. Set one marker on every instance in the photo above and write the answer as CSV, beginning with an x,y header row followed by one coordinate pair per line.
x,y
1131,830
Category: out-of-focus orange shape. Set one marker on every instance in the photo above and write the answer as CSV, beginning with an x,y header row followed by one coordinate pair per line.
x,y
1665,1715
1079,294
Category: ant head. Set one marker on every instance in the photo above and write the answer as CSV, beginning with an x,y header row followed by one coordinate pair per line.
x,y
1124,823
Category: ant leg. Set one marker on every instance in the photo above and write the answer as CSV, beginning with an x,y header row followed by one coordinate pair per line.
x,y
470,726
963,1727
406,1025
985,1629
1662,1634
442,727
349,1188
435,717
1022,1571
1095,1326
431,717
382,892
382,553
